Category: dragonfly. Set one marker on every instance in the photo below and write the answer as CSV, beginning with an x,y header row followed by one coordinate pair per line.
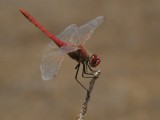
x,y
70,41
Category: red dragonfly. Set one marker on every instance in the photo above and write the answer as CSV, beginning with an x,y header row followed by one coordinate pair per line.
x,y
71,41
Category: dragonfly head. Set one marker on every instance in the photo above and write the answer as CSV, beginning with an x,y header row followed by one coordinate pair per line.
x,y
94,60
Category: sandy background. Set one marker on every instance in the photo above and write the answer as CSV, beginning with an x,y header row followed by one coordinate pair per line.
x,y
128,43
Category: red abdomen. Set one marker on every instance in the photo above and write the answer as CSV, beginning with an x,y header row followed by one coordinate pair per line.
x,y
58,42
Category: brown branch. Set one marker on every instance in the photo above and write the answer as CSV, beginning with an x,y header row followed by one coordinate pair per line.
x,y
87,98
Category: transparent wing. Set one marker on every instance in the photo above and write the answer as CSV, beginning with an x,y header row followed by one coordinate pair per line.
x,y
67,33
52,59
84,32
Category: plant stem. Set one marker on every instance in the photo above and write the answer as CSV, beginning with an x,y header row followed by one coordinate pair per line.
x,y
87,98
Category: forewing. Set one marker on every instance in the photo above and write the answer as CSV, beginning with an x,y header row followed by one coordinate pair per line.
x,y
52,59
84,32
65,36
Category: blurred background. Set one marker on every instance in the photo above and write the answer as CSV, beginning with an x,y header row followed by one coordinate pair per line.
x,y
128,43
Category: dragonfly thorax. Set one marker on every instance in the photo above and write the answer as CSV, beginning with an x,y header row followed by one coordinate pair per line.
x,y
79,55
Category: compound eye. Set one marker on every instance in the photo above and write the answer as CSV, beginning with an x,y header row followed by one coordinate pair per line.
x,y
94,60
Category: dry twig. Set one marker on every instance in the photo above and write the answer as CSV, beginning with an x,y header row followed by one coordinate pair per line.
x,y
87,98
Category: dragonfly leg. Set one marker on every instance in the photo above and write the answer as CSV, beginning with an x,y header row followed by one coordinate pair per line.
x,y
90,67
77,67
85,71
84,75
